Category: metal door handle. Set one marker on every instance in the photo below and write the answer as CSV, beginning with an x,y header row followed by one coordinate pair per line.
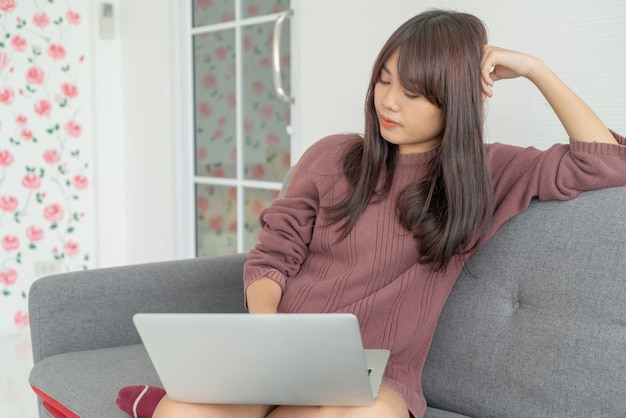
x,y
276,72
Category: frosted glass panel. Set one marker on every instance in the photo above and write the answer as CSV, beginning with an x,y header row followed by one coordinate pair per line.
x,y
266,142
215,104
207,12
216,220
253,8
255,200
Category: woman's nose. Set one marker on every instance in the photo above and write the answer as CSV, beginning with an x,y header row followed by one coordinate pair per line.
x,y
390,100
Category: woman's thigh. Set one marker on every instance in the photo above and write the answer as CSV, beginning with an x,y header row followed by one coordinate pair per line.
x,y
170,409
388,405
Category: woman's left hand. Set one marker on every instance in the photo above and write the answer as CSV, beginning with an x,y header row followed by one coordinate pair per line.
x,y
500,64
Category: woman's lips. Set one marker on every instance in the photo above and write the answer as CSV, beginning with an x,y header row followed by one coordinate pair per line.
x,y
388,123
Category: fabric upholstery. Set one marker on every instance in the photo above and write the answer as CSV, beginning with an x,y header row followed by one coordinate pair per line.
x,y
87,381
539,327
93,309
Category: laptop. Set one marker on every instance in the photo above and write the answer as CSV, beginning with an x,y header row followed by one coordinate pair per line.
x,y
282,359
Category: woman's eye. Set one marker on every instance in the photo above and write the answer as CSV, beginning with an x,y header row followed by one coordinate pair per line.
x,y
384,82
411,95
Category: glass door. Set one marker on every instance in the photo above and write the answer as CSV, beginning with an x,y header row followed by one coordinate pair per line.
x,y
240,142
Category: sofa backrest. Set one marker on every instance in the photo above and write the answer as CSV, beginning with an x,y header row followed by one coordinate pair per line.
x,y
539,327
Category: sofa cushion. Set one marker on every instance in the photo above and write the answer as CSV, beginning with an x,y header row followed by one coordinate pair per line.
x,y
87,382
539,327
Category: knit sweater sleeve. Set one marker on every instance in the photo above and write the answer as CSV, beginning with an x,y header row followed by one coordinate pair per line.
x,y
560,173
287,224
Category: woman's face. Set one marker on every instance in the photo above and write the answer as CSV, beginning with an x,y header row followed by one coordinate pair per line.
x,y
411,122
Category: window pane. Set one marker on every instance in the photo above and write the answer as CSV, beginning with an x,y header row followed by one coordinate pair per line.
x,y
255,200
215,102
266,142
206,12
216,220
253,8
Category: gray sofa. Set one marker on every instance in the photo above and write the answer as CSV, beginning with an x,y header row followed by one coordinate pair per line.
x,y
537,330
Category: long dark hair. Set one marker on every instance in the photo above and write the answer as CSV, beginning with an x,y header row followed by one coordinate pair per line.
x,y
439,57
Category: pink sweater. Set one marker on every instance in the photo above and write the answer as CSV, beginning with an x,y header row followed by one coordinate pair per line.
x,y
374,273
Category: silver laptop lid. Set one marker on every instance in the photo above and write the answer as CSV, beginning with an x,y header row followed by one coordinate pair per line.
x,y
284,359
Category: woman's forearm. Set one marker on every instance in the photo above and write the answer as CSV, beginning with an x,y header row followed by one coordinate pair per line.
x,y
578,119
263,296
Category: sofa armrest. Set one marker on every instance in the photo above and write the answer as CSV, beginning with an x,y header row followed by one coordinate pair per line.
x,y
93,309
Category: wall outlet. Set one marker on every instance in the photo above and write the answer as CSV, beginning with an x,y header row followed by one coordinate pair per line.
x,y
47,267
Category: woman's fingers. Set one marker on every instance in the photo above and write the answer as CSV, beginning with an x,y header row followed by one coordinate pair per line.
x,y
486,70
499,64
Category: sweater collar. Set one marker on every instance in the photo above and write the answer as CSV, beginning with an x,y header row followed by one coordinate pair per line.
x,y
417,159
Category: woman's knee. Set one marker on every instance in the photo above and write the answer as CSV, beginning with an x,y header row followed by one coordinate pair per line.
x,y
377,410
171,409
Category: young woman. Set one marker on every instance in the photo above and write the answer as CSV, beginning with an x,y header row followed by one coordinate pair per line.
x,y
380,225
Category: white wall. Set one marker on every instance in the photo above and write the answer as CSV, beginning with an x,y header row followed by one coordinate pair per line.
x,y
146,54
582,40
109,149
134,134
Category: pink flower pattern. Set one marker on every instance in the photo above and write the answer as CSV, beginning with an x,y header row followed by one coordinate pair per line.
x,y
51,156
35,75
6,96
7,5
80,182
8,203
41,20
266,147
72,17
26,134
53,213
69,90
6,158
19,43
21,319
71,248
10,243
31,181
56,51
8,277
73,129
34,233
43,107
44,169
